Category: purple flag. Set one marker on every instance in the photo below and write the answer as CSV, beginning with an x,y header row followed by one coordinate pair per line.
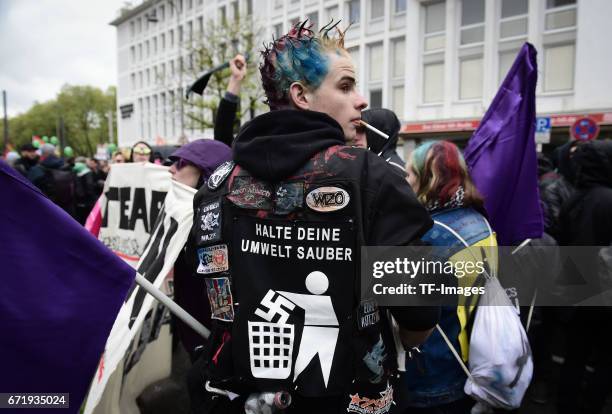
x,y
501,155
60,292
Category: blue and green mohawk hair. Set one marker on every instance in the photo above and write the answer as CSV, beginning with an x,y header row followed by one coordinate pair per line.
x,y
299,56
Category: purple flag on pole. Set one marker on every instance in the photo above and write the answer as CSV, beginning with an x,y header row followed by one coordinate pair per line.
x,y
60,292
501,155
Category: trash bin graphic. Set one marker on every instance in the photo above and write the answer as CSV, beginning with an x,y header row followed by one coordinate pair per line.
x,y
271,349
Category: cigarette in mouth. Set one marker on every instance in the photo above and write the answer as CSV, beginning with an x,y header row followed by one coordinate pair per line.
x,y
375,130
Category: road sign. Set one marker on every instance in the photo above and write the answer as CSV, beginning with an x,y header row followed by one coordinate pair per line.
x,y
584,129
542,130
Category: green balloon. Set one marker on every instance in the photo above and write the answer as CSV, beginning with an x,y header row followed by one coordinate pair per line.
x,y
68,152
112,148
46,138
54,140
36,144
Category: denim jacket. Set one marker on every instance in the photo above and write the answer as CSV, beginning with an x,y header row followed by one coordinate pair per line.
x,y
434,377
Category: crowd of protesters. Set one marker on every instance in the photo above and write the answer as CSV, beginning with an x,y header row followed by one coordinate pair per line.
x,y
300,142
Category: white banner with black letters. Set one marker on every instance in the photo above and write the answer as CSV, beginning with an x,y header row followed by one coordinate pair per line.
x,y
132,198
140,323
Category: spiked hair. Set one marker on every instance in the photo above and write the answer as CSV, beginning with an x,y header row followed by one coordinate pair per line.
x,y
298,56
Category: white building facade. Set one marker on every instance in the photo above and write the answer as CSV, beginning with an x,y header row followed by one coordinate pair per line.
x,y
437,64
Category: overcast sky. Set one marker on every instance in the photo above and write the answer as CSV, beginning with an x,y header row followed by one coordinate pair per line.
x,y
45,44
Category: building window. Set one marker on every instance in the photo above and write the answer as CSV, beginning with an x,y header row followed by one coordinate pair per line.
x,y
148,48
377,9
314,19
398,101
163,41
433,82
132,54
354,53
435,26
133,81
398,48
140,51
559,68
235,9
155,45
171,38
513,18
189,4
222,15
162,13
470,82
506,59
375,60
399,6
354,12
148,77
560,14
140,79
200,25
139,25
180,34
551,4
332,13
190,31
132,29
375,98
249,7
472,21
278,30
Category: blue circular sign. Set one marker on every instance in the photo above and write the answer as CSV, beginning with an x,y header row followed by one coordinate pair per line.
x,y
585,129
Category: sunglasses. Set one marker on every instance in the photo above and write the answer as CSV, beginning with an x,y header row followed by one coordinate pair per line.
x,y
181,162
142,150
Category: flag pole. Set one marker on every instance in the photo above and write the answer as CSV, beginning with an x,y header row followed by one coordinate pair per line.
x,y
173,306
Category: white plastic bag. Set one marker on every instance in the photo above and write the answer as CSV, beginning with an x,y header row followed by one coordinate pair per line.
x,y
500,359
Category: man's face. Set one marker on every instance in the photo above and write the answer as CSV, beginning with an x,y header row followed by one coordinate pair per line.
x,y
337,96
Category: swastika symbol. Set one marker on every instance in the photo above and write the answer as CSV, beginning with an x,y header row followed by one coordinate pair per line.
x,y
275,307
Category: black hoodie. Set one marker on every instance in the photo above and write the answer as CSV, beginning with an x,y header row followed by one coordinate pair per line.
x,y
386,121
586,218
287,163
278,144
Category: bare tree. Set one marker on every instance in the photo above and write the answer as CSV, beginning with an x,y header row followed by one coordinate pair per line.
x,y
218,42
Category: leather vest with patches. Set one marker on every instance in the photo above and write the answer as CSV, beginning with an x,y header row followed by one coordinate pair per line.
x,y
281,266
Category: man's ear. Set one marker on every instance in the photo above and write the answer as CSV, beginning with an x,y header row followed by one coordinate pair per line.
x,y
300,98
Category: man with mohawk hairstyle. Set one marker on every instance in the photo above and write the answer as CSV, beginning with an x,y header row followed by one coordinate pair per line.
x,y
291,212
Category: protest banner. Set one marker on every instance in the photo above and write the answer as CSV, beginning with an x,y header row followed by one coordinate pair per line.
x,y
130,204
138,349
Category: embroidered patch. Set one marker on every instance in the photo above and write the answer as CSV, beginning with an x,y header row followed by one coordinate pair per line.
x,y
374,359
247,192
220,298
220,174
327,199
364,405
209,222
288,197
368,314
213,259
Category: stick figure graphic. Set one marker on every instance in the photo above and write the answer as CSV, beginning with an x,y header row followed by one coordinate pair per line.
x,y
320,332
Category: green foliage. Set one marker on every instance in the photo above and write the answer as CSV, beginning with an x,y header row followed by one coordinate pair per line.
x,y
84,110
219,42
